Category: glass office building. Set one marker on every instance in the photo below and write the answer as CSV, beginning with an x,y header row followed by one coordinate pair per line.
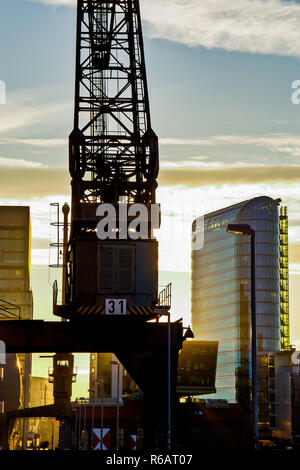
x,y
221,284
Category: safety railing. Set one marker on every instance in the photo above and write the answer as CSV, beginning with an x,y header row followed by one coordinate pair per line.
x,y
164,299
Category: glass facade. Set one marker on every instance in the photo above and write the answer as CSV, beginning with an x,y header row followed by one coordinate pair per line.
x,y
284,280
221,284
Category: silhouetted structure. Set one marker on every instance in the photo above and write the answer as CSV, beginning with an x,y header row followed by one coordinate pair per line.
x,y
110,288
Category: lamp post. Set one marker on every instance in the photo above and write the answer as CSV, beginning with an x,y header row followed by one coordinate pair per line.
x,y
245,229
102,405
75,434
84,425
188,333
169,385
79,427
92,401
115,363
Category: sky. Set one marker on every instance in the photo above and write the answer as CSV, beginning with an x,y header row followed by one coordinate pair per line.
x,y
220,77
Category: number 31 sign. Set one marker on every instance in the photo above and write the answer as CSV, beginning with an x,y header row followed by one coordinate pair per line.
x,y
115,306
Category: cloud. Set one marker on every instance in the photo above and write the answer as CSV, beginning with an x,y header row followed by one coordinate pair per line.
x,y
294,222
280,142
43,143
21,179
275,142
178,141
199,176
24,182
294,253
55,2
192,162
40,243
256,26
24,108
18,163
294,270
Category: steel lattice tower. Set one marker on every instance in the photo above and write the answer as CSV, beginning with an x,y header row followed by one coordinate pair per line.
x,y
113,149
113,158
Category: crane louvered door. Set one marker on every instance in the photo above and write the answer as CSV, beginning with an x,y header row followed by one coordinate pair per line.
x,y
106,263
125,269
116,269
